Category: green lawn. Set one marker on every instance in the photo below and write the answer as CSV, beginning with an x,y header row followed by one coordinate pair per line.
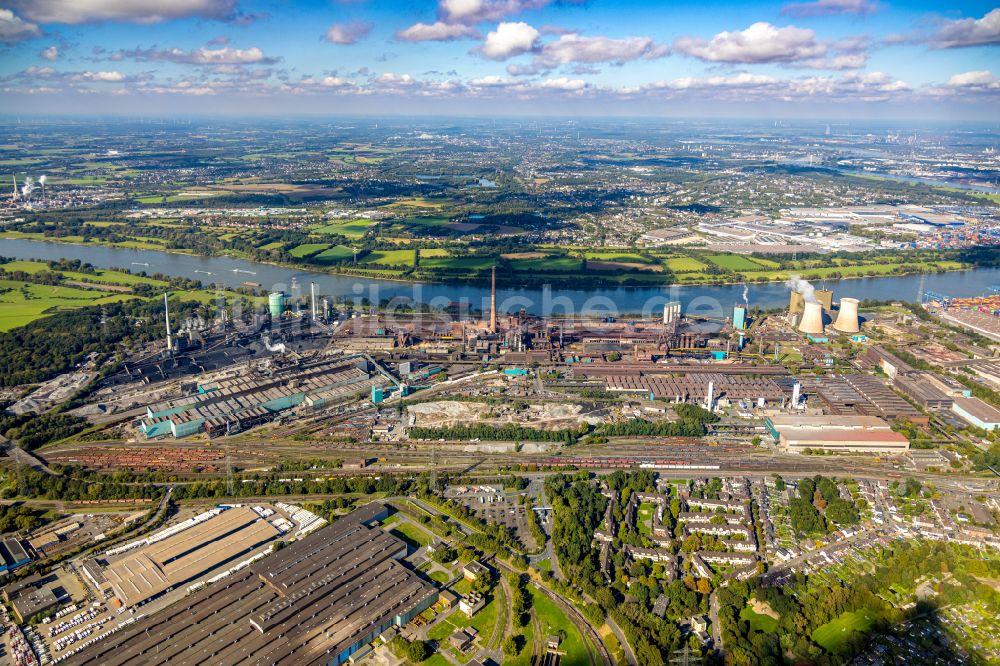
x,y
411,534
644,518
834,634
758,622
554,621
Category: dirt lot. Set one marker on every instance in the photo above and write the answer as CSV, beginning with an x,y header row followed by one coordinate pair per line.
x,y
548,416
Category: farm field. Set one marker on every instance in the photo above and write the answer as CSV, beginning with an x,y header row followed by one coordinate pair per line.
x,y
307,249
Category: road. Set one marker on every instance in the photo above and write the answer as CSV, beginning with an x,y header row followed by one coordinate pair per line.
x,y
713,616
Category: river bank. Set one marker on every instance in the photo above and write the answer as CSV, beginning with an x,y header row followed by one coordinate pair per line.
x,y
706,300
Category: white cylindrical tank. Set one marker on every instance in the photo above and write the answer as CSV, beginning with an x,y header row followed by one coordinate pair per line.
x,y
812,318
847,320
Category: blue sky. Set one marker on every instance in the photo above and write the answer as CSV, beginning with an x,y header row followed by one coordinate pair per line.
x,y
804,58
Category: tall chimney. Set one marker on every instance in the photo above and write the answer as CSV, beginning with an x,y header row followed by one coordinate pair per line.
x,y
14,176
711,396
493,303
847,320
312,293
796,395
812,318
166,312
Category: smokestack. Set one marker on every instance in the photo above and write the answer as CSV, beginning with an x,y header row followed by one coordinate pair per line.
x,y
41,181
14,176
812,318
166,312
312,293
796,395
847,320
709,403
493,303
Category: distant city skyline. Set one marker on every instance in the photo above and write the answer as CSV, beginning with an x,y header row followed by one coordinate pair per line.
x,y
858,59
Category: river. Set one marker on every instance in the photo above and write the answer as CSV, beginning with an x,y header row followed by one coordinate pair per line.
x,y
708,300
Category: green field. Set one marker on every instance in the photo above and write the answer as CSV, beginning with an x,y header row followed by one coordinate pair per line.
x,y
457,263
733,262
389,257
630,257
102,276
22,302
350,228
551,263
334,254
683,264
758,622
307,249
834,634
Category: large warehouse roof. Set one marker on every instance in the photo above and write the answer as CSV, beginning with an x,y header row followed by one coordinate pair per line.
x,y
187,554
306,604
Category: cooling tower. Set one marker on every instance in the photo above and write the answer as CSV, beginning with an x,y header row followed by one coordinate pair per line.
x,y
847,320
812,319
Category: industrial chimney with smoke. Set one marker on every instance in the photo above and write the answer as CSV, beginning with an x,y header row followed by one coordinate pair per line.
x,y
812,318
847,320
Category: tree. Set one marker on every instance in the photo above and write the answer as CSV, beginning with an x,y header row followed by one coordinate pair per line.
x,y
704,586
512,645
418,651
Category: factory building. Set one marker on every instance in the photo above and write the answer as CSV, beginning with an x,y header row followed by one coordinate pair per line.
x,y
862,395
317,602
692,388
12,555
977,413
147,572
233,405
866,434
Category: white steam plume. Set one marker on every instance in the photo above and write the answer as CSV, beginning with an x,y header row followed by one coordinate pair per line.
x,y
746,296
27,188
41,181
797,284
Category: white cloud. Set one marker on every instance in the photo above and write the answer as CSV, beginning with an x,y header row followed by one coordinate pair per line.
x,y
830,8
577,49
436,32
13,28
103,77
978,80
347,33
563,83
471,12
836,63
51,53
201,56
508,40
491,81
969,32
760,43
132,11
391,79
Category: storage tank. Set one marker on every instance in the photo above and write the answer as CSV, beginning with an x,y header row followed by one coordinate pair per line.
x,y
812,319
276,303
847,320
